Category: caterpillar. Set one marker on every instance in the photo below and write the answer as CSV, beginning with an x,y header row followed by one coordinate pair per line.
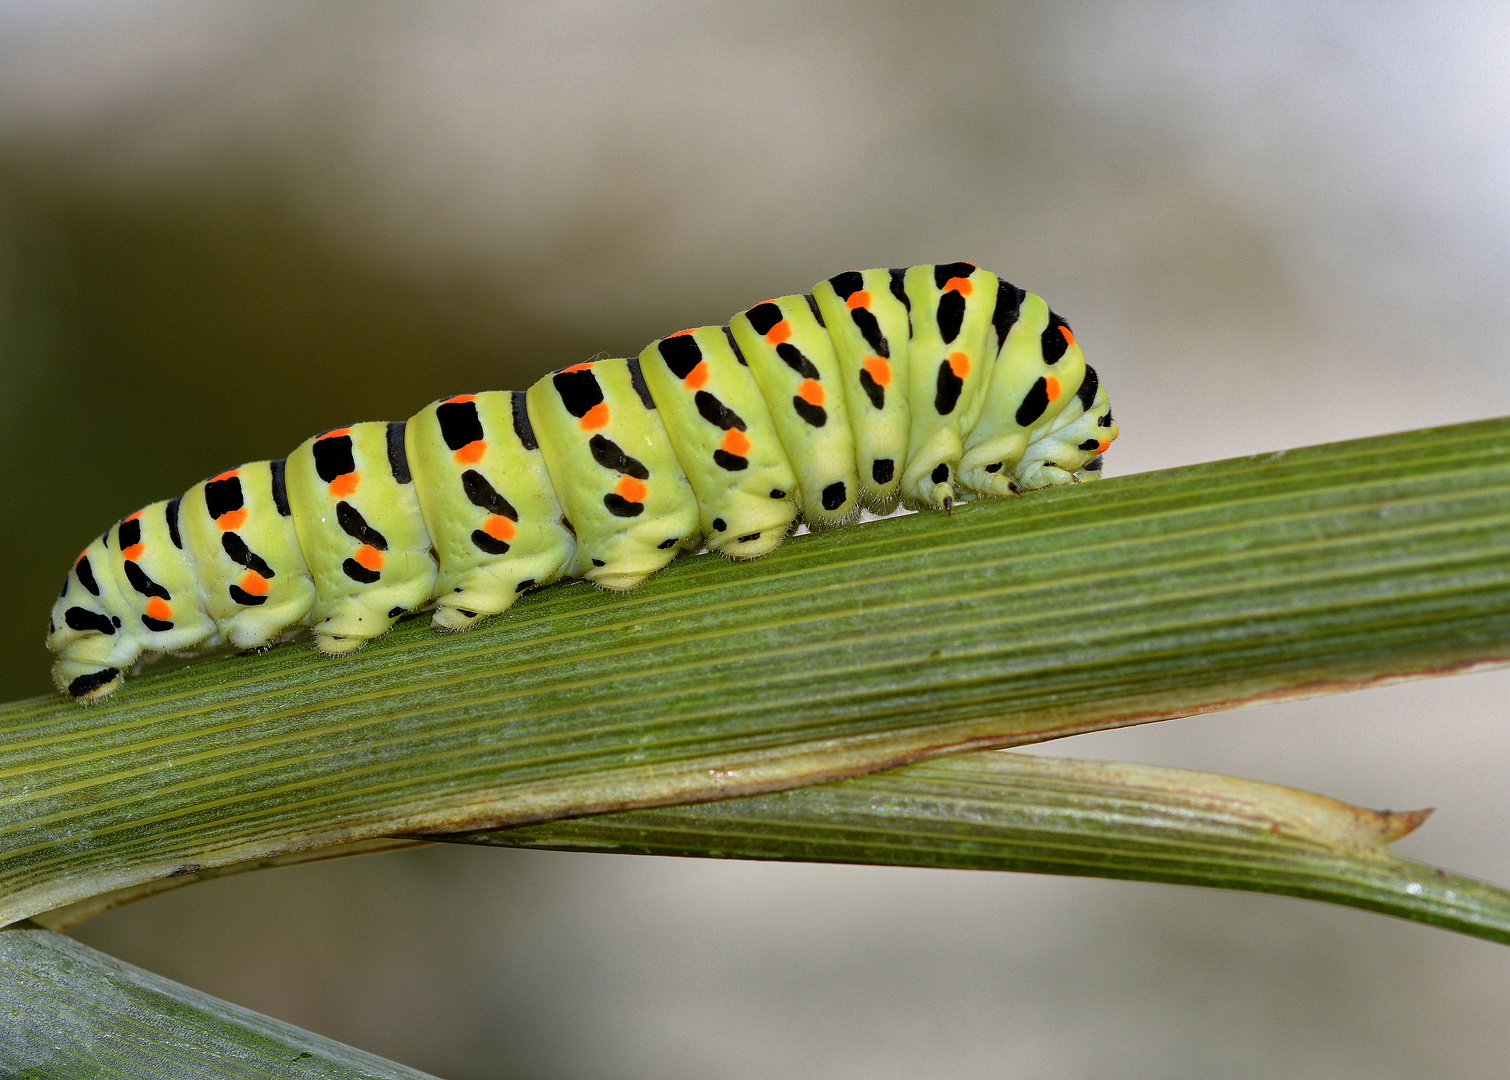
x,y
918,386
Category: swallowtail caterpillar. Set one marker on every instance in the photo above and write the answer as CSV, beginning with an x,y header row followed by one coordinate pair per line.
x,y
919,386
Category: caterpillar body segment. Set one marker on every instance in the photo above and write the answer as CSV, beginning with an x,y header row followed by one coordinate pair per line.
x,y
924,386
725,440
488,504
789,351
612,465
869,323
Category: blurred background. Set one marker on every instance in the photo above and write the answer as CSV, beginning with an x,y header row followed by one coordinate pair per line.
x,y
226,227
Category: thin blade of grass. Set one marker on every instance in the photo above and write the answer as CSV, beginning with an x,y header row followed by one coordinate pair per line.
x,y
67,1010
842,653
1044,815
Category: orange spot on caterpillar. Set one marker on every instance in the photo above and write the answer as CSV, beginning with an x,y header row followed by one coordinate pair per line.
x,y
811,392
472,453
336,434
681,333
133,552
631,489
369,557
1051,384
1105,444
81,557
596,417
959,285
498,527
959,363
231,519
345,484
697,378
1069,336
575,367
858,299
459,399
254,583
780,332
159,609
736,442
225,475
878,370
133,517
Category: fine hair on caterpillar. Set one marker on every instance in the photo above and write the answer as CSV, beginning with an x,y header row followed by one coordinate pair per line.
x,y
920,387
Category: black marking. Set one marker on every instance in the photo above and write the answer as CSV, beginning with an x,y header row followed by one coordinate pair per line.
x,y
242,555
1009,300
482,494
171,513
764,317
873,390
354,525
579,391
950,385
460,423
747,539
882,470
116,620
395,612
734,347
91,681
280,487
1088,387
847,283
610,455
681,354
142,583
131,533
793,358
940,474
1090,444
86,577
1054,343
619,506
716,412
777,493
357,572
244,598
524,431
78,618
834,495
943,272
719,524
567,525
951,315
1106,420
491,544
637,380
599,562
333,457
463,612
995,466
223,496
813,414
527,583
870,330
665,545
1033,404
898,289
158,625
1093,465
731,462
812,305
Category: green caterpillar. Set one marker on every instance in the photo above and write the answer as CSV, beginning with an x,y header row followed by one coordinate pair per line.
x,y
916,386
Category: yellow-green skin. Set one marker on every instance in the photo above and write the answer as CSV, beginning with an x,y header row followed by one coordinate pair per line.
x,y
922,386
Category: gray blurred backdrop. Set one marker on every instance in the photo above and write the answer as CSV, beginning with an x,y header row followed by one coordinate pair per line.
x,y
225,227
